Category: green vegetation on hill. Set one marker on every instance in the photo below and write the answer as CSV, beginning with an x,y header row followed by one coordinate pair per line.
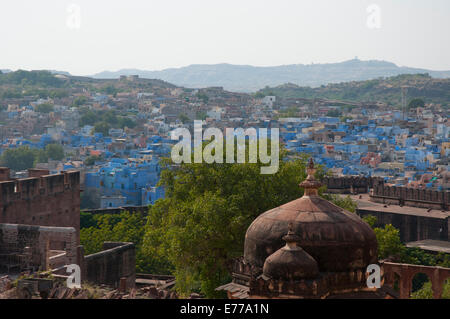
x,y
387,90
104,120
44,84
24,78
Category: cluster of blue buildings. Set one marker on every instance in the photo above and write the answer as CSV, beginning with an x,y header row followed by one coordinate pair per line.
x,y
126,182
129,170
348,146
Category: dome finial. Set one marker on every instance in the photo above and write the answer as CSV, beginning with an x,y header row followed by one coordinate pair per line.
x,y
310,184
311,163
291,238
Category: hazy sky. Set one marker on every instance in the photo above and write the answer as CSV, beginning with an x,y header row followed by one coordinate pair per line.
x,y
157,34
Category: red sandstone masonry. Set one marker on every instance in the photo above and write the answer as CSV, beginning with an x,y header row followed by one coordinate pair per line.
x,y
406,273
350,184
4,174
424,198
45,200
38,238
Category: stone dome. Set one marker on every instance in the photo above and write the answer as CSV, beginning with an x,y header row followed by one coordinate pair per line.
x,y
338,240
290,262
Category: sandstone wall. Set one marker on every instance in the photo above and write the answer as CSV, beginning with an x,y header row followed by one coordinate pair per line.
x,y
412,228
115,261
407,196
44,200
350,184
37,241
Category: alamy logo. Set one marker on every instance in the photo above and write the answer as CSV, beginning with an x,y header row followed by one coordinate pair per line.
x,y
213,152
74,279
74,18
374,277
374,18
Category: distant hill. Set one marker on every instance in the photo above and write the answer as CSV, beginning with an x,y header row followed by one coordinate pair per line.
x,y
43,83
59,72
246,78
387,90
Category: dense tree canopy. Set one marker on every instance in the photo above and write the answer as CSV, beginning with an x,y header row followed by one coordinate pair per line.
x,y
24,157
105,119
80,100
415,103
18,159
54,151
125,227
44,108
41,78
102,127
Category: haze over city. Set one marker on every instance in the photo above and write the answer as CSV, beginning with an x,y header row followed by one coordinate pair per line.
x,y
86,37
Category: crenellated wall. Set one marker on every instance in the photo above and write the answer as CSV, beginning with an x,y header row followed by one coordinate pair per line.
x,y
407,196
45,200
350,184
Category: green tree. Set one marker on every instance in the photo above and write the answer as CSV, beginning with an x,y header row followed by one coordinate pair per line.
x,y
203,97
415,103
44,108
201,115
183,118
89,161
334,113
389,243
125,122
371,220
55,151
87,220
40,156
110,90
388,238
58,94
102,127
88,118
18,159
79,101
427,293
345,202
125,227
